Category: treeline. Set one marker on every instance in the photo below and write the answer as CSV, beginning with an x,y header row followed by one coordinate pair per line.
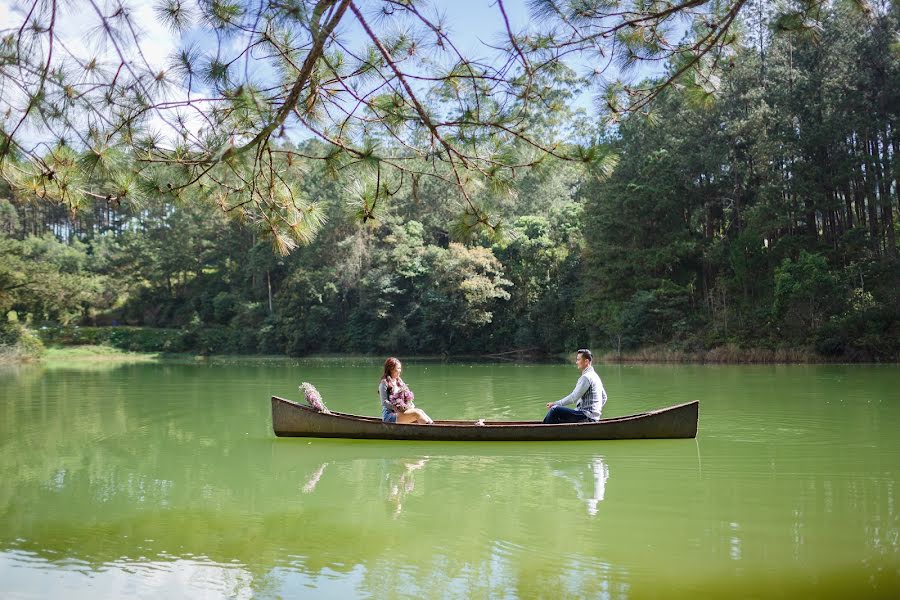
x,y
763,216
766,217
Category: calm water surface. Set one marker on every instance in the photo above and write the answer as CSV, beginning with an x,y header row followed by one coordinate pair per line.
x,y
165,481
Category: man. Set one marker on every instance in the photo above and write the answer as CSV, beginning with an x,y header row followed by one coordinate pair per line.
x,y
588,395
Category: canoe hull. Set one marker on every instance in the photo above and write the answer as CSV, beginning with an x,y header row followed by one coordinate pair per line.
x,y
290,419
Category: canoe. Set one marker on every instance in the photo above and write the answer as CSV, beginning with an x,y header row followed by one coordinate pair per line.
x,y
290,419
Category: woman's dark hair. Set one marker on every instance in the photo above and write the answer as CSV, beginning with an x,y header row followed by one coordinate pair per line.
x,y
389,365
585,353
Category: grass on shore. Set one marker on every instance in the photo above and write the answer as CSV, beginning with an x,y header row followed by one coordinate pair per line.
x,y
95,353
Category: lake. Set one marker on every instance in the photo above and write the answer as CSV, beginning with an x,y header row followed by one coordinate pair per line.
x,y
164,480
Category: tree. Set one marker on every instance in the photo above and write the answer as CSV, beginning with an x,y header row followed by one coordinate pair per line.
x,y
50,281
806,294
465,284
396,104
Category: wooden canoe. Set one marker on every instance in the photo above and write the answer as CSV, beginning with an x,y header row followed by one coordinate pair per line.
x,y
290,419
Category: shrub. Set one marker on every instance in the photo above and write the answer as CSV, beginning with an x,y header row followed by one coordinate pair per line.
x,y
18,342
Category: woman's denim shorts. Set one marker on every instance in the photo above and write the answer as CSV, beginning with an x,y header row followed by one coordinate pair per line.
x,y
388,416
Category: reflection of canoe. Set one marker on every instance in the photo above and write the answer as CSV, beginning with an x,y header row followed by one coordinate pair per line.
x,y
292,419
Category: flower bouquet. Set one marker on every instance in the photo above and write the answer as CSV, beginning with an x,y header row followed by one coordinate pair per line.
x,y
313,397
401,398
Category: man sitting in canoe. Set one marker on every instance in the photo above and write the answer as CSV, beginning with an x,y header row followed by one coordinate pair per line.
x,y
588,395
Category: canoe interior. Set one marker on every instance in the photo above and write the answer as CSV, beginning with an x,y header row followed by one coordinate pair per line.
x,y
291,419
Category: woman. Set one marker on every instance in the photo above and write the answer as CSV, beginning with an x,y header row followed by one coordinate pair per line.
x,y
396,399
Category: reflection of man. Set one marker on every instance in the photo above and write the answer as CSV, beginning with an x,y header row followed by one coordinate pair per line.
x,y
601,475
588,395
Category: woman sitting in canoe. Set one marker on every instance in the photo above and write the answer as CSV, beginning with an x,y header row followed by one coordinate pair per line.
x,y
397,399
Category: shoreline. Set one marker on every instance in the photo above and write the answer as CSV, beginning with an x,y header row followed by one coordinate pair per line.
x,y
733,355
726,355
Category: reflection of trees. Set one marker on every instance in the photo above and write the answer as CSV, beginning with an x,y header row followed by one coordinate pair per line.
x,y
103,473
158,463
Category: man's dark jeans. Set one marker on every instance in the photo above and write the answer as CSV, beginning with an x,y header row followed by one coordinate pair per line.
x,y
561,414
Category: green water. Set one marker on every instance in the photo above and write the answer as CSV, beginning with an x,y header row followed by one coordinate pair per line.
x,y
165,481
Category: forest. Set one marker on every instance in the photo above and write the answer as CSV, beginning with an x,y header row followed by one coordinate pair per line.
x,y
758,222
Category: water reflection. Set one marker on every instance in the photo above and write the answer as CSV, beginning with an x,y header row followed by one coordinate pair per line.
x,y
136,471
400,485
310,485
170,577
593,478
399,480
601,475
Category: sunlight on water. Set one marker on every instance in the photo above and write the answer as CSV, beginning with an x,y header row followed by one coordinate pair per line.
x,y
175,577
164,480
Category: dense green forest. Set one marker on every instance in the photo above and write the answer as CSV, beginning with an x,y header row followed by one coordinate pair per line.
x,y
758,219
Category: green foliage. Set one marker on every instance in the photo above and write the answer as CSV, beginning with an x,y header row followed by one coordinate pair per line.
x,y
9,218
761,216
50,280
751,202
806,293
18,341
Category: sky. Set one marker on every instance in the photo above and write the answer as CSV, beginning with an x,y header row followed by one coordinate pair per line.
x,y
471,22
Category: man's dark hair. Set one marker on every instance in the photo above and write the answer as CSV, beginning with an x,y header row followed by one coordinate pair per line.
x,y
585,353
